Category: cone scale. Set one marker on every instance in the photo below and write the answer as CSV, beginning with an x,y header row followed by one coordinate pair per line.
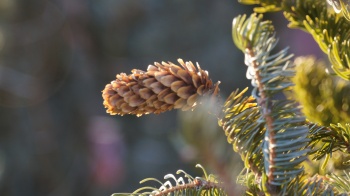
x,y
164,86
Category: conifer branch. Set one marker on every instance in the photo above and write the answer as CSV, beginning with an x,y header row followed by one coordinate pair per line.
x,y
330,30
284,144
340,183
315,185
243,129
326,140
341,6
208,185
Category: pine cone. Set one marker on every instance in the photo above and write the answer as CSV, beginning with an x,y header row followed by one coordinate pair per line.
x,y
162,87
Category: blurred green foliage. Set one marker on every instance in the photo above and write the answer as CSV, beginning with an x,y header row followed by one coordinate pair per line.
x,y
325,98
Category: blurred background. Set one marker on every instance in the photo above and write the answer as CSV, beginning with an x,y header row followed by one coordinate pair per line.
x,y
56,56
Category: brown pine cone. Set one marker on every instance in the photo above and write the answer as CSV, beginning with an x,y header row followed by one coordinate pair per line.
x,y
162,87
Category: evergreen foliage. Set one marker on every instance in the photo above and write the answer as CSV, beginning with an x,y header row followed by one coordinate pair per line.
x,y
326,98
297,117
186,185
330,30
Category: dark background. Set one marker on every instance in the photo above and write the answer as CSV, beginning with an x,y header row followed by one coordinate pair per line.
x,y
56,57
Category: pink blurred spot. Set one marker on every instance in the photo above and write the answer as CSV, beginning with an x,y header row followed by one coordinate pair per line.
x,y
107,152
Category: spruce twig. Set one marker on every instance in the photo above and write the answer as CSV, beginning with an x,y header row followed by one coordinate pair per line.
x,y
284,145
